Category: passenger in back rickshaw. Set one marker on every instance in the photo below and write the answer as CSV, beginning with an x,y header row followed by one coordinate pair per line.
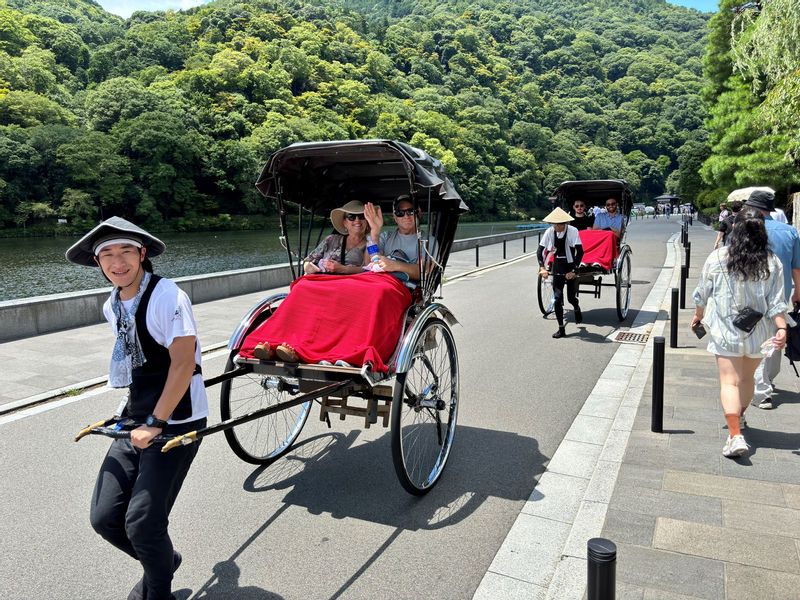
x,y
348,319
611,219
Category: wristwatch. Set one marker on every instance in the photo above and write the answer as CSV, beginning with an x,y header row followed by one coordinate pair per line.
x,y
152,421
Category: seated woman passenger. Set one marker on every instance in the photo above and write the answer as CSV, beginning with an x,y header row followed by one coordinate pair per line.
x,y
581,220
342,254
611,220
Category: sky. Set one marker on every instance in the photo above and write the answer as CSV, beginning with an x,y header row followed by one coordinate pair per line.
x,y
124,8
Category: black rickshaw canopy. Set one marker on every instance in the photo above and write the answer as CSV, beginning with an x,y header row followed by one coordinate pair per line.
x,y
320,176
595,192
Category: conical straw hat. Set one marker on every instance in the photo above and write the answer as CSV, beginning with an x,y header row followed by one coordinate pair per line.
x,y
558,216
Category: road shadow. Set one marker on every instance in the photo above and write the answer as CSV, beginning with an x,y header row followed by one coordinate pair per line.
x,y
224,585
332,473
784,397
591,337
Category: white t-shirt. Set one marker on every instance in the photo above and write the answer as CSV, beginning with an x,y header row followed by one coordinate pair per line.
x,y
548,241
169,315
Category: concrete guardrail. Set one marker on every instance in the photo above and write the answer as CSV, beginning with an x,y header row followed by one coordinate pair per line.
x,y
28,317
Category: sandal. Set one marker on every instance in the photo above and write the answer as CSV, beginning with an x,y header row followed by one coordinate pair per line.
x,y
287,354
264,351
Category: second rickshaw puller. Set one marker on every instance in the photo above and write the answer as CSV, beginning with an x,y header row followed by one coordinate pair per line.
x,y
563,242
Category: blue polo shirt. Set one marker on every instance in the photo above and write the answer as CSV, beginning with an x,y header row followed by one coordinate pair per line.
x,y
603,220
784,241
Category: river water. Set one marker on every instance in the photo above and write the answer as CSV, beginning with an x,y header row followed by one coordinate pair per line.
x,y
37,267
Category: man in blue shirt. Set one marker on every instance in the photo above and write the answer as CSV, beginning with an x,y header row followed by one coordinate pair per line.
x,y
784,241
611,219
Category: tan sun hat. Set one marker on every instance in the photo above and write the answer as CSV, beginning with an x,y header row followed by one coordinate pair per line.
x,y
354,207
557,216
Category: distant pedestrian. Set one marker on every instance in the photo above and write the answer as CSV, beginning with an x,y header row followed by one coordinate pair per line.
x,y
723,212
563,243
157,357
784,241
726,225
743,274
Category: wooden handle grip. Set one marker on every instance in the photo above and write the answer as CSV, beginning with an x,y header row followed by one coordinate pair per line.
x,y
181,440
87,430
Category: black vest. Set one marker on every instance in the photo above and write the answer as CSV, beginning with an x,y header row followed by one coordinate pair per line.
x,y
147,381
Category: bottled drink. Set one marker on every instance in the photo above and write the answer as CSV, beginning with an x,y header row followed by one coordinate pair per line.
x,y
373,250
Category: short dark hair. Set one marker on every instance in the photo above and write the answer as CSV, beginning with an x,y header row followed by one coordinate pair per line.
x,y
736,206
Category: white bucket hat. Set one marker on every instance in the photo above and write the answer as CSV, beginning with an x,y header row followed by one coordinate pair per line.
x,y
82,252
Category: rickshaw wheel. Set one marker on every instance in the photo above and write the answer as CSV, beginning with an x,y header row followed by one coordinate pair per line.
x,y
623,283
544,293
264,440
424,409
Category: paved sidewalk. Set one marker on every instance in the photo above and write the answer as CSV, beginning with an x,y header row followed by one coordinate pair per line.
x,y
688,523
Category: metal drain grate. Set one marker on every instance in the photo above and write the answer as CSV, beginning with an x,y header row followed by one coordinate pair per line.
x,y
630,337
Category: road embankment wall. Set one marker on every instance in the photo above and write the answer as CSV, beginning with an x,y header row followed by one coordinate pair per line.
x,y
27,317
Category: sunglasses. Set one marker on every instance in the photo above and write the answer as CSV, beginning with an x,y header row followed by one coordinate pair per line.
x,y
352,217
401,212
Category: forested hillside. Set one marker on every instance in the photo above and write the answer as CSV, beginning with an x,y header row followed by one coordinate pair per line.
x,y
168,116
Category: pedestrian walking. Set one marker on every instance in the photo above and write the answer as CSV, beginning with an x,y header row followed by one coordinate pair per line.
x,y
563,243
157,357
726,225
784,241
739,279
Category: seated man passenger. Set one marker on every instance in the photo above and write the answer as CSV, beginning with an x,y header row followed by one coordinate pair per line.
x,y
581,219
611,220
399,249
343,252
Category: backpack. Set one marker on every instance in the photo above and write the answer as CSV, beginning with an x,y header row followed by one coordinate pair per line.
x,y
792,350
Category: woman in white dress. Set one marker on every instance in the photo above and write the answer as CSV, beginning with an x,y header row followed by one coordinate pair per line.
x,y
744,273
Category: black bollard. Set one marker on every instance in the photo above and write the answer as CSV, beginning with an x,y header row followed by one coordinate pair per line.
x,y
684,277
477,256
524,244
504,249
673,319
688,254
601,577
657,413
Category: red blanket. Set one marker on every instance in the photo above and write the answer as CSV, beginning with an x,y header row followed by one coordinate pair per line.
x,y
355,318
599,247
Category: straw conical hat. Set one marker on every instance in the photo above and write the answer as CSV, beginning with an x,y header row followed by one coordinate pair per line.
x,y
558,216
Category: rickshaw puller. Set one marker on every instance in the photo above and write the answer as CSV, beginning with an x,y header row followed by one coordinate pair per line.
x,y
157,357
563,242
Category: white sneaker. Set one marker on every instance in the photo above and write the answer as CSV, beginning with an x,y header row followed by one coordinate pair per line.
x,y
735,446
325,363
765,404
342,363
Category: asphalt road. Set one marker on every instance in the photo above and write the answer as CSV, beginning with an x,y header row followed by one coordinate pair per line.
x,y
331,520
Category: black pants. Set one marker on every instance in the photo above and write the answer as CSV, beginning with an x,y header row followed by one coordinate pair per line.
x,y
132,499
558,295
